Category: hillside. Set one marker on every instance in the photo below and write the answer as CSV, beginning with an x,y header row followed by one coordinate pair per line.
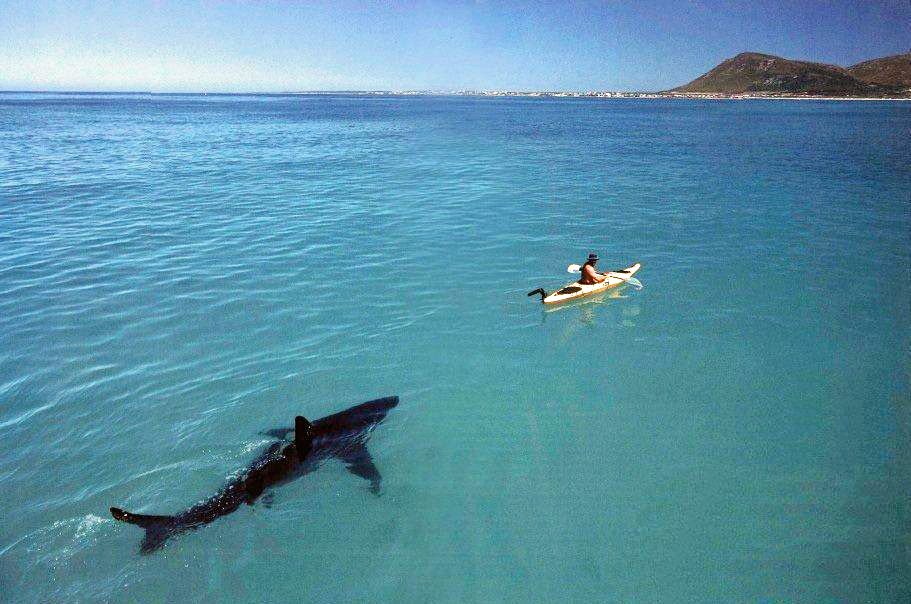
x,y
887,71
751,72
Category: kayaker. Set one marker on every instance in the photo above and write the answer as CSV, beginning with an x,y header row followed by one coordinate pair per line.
x,y
589,275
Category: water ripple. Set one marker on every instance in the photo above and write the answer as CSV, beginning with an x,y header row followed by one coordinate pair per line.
x,y
179,273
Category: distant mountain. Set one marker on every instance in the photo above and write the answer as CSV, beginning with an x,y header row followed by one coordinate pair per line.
x,y
887,71
752,72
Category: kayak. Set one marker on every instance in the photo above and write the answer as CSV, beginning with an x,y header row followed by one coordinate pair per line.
x,y
573,291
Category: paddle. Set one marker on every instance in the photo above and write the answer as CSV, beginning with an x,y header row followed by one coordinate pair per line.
x,y
575,268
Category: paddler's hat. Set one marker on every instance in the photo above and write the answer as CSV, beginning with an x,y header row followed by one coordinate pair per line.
x,y
593,257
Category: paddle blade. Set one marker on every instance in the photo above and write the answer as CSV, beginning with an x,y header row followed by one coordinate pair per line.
x,y
573,268
634,281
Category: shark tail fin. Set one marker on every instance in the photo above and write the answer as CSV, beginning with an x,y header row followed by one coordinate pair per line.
x,y
158,528
303,436
140,520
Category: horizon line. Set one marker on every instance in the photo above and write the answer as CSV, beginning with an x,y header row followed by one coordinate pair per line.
x,y
404,91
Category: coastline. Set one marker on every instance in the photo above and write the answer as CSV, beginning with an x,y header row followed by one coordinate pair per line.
x,y
702,96
710,96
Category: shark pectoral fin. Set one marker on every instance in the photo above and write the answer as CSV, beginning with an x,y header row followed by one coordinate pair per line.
x,y
279,433
361,464
268,499
303,437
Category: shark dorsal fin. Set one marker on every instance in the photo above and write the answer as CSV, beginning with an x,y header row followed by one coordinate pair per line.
x,y
303,436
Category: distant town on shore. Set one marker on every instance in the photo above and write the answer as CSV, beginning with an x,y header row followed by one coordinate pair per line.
x,y
755,75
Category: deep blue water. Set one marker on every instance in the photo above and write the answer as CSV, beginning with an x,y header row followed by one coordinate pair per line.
x,y
179,273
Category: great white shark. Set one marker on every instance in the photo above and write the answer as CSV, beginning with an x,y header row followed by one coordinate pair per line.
x,y
342,435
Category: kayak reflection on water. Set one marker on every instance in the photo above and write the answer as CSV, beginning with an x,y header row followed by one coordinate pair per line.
x,y
581,303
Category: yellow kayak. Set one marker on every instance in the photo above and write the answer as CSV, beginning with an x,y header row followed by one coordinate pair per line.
x,y
572,291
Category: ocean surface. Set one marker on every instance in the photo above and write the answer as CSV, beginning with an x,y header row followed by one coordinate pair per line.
x,y
180,273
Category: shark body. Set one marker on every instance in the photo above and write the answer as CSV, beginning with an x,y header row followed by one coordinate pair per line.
x,y
342,435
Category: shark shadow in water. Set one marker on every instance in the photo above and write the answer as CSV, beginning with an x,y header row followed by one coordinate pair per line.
x,y
343,435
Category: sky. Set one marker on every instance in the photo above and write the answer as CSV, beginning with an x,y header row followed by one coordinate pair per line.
x,y
275,46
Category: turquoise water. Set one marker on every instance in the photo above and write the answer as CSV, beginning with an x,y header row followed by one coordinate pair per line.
x,y
179,273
